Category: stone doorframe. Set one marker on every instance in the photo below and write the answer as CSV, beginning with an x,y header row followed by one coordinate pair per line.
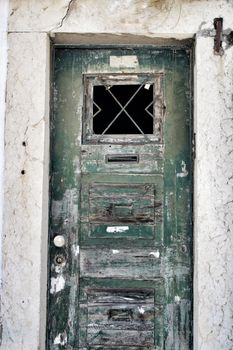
x,y
27,188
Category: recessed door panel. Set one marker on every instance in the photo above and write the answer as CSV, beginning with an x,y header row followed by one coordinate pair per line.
x,y
121,313
121,206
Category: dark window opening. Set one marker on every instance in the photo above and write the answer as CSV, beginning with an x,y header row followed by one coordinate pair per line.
x,y
123,109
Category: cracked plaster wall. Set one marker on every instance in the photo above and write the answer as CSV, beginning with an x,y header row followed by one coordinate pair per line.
x,y
213,198
25,228
25,232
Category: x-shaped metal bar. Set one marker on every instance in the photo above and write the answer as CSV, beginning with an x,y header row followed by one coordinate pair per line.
x,y
98,111
147,107
123,109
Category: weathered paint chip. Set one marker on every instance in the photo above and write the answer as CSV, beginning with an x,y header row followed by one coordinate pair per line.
x,y
184,172
177,299
141,310
58,269
57,284
155,254
75,249
61,339
117,229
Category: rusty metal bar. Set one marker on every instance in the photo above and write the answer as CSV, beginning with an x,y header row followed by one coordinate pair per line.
x,y
218,26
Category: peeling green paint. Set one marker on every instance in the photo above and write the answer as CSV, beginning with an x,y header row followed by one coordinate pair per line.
x,y
127,276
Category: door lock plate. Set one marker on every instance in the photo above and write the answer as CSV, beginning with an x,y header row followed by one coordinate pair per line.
x,y
60,260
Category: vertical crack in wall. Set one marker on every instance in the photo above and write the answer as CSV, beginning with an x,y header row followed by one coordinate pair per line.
x,y
68,9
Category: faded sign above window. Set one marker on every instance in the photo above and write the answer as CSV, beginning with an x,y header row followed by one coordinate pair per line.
x,y
124,61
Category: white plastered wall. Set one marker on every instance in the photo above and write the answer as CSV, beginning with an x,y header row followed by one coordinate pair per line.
x,y
26,195
3,69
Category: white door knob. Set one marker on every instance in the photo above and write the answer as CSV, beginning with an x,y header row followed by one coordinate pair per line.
x,y
59,241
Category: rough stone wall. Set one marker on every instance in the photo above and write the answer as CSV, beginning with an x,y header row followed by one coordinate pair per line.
x,y
25,232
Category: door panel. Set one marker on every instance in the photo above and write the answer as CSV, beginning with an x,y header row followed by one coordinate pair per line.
x,y
122,264
121,314
121,200
121,206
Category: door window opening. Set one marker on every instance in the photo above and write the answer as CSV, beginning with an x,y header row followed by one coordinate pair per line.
x,y
121,106
123,109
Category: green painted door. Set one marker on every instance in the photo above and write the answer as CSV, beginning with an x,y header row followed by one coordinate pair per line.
x,y
121,199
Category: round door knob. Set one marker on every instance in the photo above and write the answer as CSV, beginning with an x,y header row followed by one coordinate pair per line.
x,y
59,241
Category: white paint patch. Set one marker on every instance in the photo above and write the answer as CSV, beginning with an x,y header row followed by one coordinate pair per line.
x,y
115,251
75,249
141,310
147,86
57,284
66,221
60,339
117,229
124,61
155,254
184,172
177,299
58,269
93,325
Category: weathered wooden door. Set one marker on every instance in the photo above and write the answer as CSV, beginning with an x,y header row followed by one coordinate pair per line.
x,y
121,200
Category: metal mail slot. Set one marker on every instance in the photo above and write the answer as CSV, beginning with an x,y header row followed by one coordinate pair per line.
x,y
122,158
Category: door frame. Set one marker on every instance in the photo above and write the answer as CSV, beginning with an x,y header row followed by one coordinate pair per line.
x,y
138,41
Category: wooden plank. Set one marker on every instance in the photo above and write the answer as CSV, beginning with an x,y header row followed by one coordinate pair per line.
x,y
123,263
131,296
95,290
178,332
122,316
139,235
125,231
127,337
134,191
